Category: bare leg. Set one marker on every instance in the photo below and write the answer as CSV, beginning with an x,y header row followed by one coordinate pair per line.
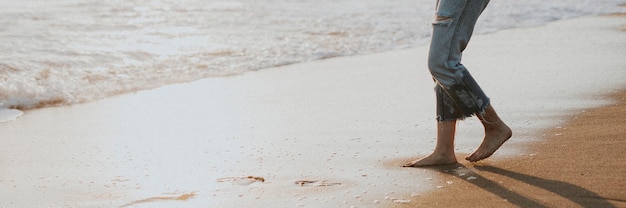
x,y
496,133
444,150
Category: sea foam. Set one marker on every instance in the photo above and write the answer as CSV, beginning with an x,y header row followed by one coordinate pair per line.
x,y
72,51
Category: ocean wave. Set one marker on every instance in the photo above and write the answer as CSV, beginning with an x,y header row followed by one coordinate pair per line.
x,y
73,51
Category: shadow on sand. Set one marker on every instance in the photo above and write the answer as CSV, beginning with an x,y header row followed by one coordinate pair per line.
x,y
571,192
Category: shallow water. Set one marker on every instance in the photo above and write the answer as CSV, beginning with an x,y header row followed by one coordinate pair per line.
x,y
70,51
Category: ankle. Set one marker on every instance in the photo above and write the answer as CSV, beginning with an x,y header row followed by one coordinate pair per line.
x,y
490,122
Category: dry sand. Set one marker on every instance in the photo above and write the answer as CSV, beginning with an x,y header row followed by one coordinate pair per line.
x,y
580,164
329,133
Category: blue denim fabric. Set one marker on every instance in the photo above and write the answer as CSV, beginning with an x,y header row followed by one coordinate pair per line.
x,y
458,94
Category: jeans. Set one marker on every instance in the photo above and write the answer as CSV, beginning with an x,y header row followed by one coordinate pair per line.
x,y
457,93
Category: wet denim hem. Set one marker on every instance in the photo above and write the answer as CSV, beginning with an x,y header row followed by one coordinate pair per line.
x,y
453,116
458,95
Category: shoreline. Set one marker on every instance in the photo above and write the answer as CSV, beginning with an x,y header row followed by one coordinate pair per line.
x,y
60,101
574,165
327,133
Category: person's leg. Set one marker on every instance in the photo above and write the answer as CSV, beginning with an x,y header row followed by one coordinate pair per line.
x,y
444,29
446,128
452,31
496,133
458,94
444,150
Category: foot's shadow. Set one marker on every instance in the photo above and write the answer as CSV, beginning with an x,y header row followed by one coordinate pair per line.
x,y
574,193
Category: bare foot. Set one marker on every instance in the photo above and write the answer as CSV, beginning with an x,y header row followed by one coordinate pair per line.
x,y
432,160
495,135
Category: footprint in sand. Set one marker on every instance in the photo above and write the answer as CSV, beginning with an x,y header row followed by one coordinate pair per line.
x,y
181,197
7,115
241,180
316,183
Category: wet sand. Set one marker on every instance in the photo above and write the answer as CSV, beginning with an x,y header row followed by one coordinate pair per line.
x,y
328,133
580,164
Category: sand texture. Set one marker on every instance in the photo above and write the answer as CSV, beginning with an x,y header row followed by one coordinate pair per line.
x,y
335,132
580,164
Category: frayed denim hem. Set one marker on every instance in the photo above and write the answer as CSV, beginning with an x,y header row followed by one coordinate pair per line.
x,y
461,117
460,101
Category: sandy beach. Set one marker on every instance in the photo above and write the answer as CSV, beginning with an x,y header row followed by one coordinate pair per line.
x,y
335,132
578,165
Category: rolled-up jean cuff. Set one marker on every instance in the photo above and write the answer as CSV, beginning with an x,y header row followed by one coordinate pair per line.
x,y
458,94
459,101
441,117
